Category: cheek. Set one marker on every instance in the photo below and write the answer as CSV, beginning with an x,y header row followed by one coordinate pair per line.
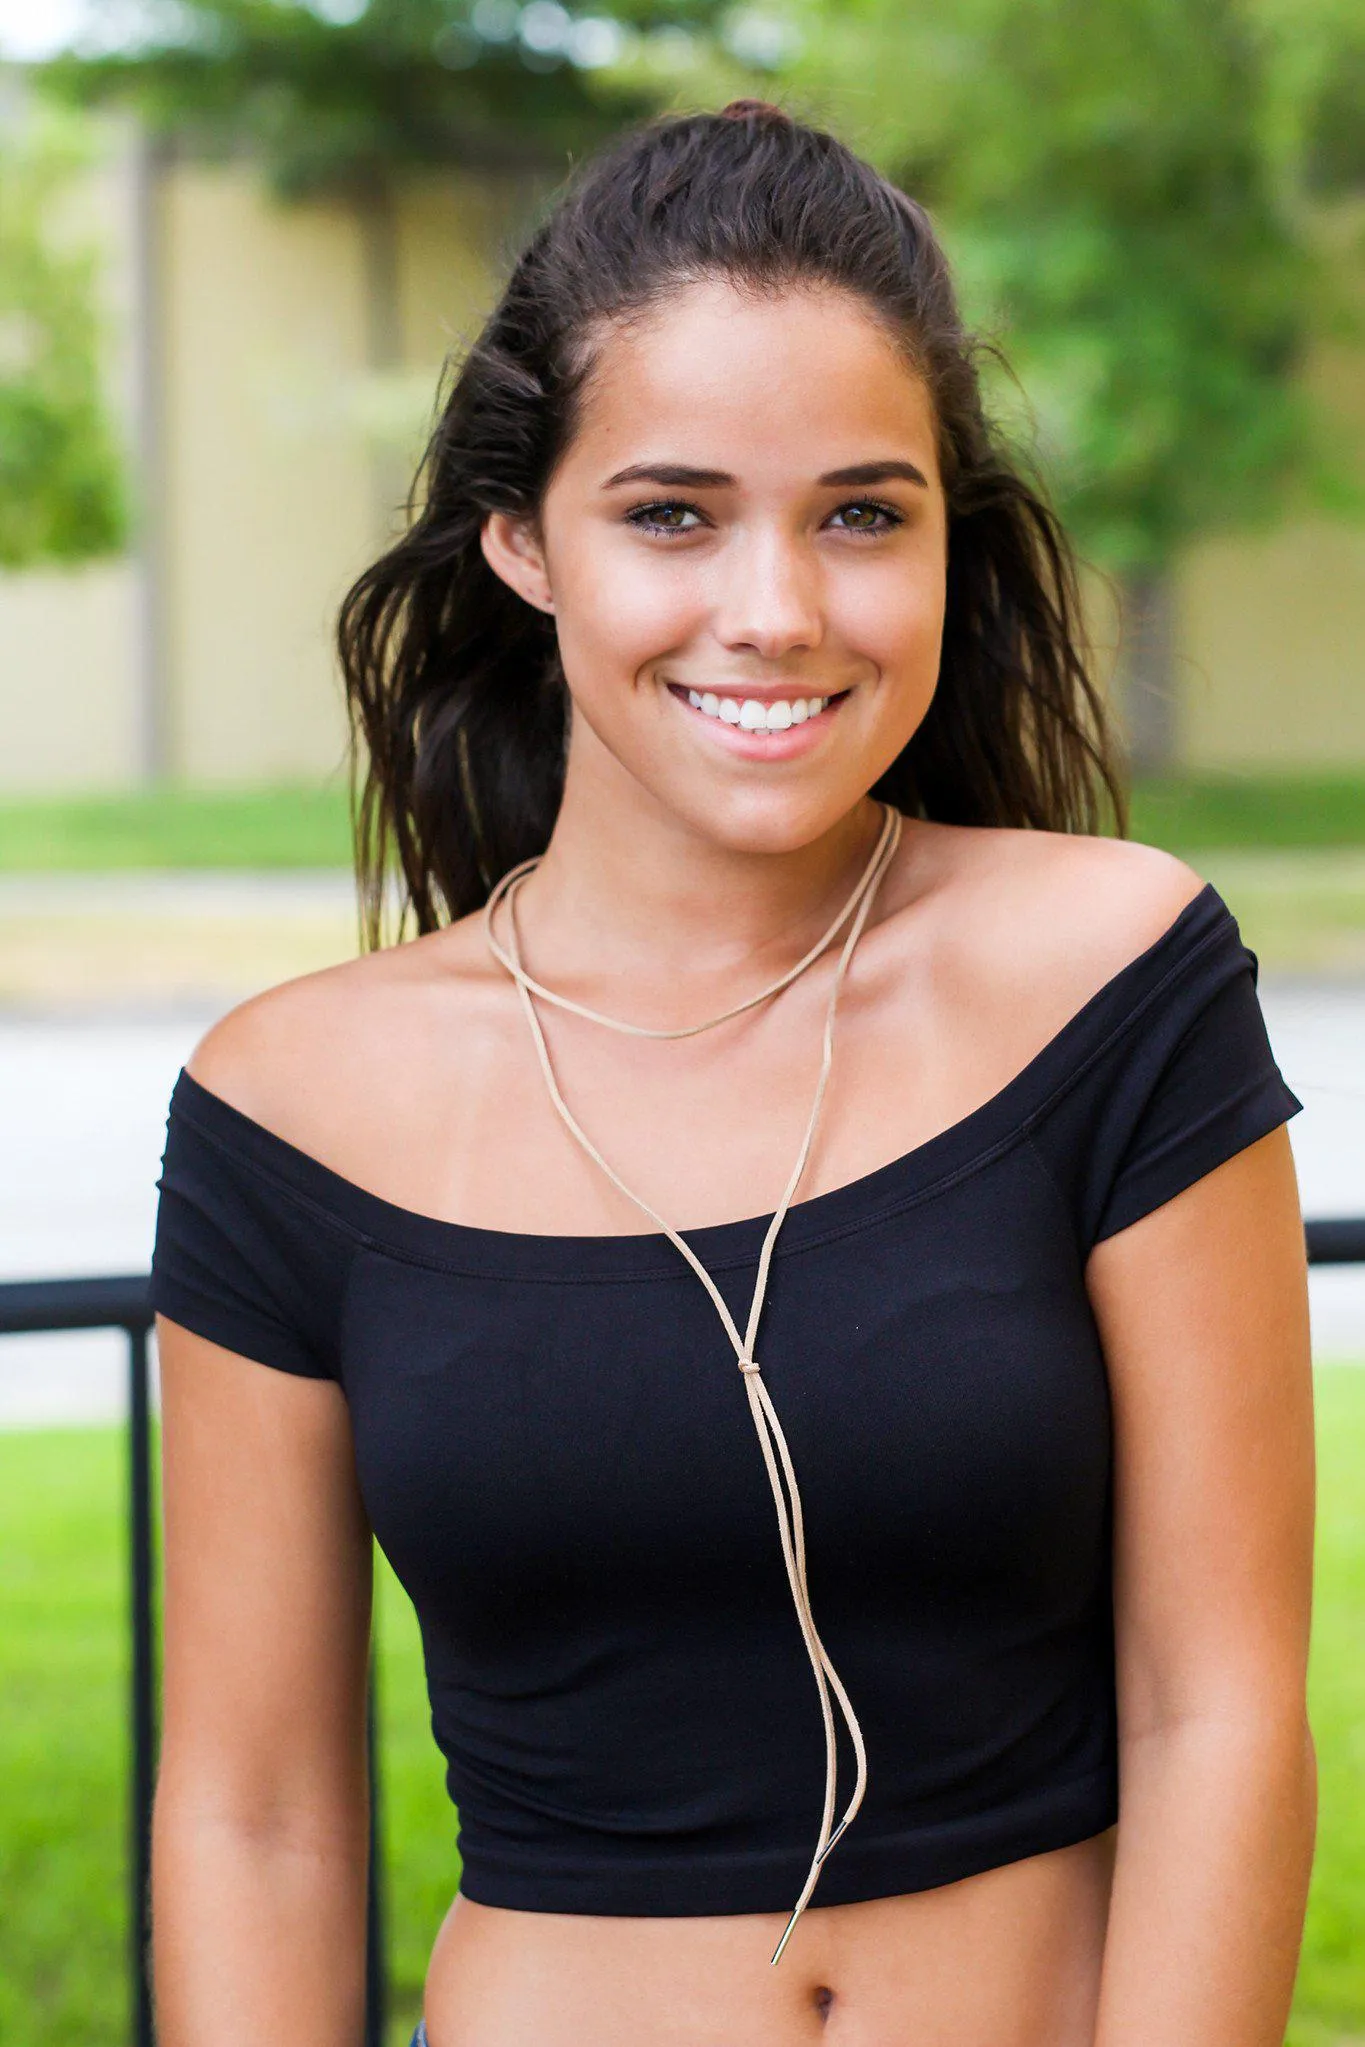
x,y
893,614
618,612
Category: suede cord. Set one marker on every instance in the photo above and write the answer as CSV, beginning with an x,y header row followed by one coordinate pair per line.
x,y
772,1441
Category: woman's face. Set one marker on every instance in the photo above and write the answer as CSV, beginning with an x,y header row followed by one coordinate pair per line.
x,y
744,551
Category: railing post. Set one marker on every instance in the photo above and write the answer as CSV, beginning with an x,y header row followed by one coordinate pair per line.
x,y
144,1684
376,1974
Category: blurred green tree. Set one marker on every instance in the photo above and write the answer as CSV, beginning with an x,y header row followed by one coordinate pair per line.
x,y
1132,191
61,469
347,98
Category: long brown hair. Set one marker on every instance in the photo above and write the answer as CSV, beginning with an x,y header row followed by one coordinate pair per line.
x,y
456,694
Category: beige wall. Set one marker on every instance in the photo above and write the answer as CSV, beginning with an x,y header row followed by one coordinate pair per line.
x,y
266,480
1272,668
1272,625
68,690
280,449
284,450
450,234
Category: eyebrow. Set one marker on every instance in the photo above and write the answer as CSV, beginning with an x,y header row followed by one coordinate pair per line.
x,y
679,476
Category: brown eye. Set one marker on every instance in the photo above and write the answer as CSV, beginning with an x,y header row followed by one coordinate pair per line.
x,y
870,511
659,518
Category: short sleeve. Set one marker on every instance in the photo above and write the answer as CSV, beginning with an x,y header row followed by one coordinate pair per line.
x,y
1200,1085
237,1258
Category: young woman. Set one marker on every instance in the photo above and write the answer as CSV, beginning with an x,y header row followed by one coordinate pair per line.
x,y
798,1262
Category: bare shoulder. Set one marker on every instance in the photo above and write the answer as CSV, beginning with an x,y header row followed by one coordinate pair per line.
x,y
1034,923
316,1058
1117,896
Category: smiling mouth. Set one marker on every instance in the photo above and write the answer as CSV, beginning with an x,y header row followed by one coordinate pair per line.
x,y
756,714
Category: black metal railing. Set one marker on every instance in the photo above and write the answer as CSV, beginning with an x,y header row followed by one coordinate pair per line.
x,y
123,1303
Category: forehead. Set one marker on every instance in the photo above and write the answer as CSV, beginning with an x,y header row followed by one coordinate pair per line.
x,y
789,382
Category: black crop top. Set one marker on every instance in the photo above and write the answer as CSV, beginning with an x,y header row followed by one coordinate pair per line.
x,y
557,1457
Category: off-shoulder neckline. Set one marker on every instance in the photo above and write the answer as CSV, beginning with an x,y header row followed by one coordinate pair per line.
x,y
962,1147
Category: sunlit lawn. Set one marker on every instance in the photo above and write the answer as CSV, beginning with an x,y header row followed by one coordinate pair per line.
x,y
62,1754
63,1648
288,825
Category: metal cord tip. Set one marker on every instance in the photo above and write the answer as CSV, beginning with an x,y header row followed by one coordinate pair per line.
x,y
831,1841
777,1951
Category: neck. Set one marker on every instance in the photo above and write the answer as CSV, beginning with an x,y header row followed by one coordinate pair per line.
x,y
630,890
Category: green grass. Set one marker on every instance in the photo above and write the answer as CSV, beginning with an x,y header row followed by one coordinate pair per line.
x,y
305,824
62,1759
63,1679
292,825
1188,813
1330,2007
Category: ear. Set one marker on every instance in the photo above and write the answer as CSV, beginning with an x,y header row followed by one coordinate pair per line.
x,y
513,550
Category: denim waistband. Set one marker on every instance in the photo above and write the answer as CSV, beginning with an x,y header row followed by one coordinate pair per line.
x,y
419,2038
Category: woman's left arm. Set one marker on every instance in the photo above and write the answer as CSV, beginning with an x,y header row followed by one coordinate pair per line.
x,y
1202,1307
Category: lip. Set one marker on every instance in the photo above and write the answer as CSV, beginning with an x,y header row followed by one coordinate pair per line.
x,y
762,746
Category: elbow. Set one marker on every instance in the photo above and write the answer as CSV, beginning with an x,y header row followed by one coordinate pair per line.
x,y
1253,1725
1258,1755
266,1809
1240,1703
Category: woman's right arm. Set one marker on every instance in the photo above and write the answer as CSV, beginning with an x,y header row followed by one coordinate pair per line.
x,y
261,1818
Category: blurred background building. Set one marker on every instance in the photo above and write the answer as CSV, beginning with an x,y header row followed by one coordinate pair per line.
x,y
292,226
262,435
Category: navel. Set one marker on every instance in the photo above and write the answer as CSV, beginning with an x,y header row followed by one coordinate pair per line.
x,y
823,2000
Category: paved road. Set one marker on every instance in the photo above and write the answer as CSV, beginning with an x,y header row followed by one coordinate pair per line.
x,y
82,1114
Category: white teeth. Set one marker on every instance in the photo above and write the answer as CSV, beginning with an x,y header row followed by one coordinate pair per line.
x,y
752,714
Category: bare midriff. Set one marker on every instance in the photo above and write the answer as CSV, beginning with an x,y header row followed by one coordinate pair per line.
x,y
1007,1958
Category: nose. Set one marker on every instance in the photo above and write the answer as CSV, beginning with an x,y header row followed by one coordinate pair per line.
x,y
770,598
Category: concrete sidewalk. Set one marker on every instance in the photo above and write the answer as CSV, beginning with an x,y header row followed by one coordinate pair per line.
x,y
78,944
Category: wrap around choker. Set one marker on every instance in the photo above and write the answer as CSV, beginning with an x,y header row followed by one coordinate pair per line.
x,y
771,1439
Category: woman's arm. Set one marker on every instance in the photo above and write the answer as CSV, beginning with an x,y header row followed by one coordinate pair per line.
x,y
261,1818
1202,1307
